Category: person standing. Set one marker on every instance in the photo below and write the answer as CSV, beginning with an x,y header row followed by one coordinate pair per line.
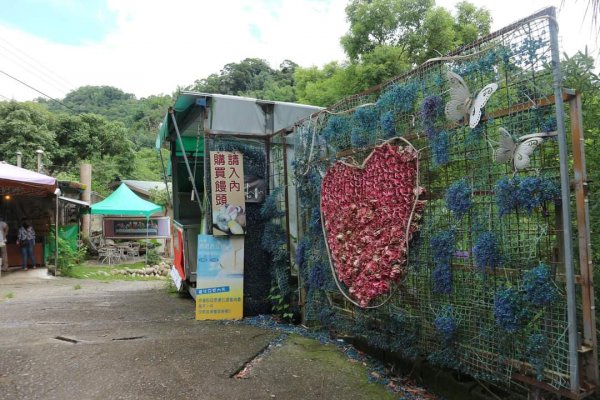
x,y
26,243
3,252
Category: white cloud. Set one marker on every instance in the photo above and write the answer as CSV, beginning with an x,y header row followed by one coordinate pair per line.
x,y
160,45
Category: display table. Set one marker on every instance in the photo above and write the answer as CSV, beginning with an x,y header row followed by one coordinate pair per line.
x,y
14,255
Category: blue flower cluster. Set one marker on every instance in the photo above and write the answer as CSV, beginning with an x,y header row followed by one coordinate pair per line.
x,y
458,198
273,237
337,129
318,276
528,193
398,98
539,290
364,126
314,225
537,351
432,108
445,324
442,246
270,208
442,279
440,145
301,250
507,309
483,65
486,252
388,125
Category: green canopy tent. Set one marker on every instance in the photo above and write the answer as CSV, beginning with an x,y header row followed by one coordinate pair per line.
x,y
124,202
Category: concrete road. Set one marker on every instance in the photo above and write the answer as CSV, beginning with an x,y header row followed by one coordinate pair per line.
x,y
63,338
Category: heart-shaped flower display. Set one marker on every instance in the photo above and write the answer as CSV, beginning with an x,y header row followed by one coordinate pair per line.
x,y
370,212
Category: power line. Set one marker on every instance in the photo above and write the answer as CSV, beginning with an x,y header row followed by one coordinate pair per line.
x,y
57,78
40,92
4,97
41,75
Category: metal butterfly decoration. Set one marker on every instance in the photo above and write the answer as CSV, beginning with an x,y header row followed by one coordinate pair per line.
x,y
518,152
462,104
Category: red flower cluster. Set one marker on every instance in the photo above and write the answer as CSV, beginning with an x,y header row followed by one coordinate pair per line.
x,y
366,211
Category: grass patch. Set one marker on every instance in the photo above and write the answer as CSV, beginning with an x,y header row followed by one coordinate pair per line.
x,y
9,295
103,273
172,290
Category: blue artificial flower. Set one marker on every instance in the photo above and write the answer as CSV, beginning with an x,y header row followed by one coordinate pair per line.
x,y
440,145
458,198
442,246
337,129
537,351
445,324
538,286
388,125
486,251
442,279
507,309
527,194
431,108
398,98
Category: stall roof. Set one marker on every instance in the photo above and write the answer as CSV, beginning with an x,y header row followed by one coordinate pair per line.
x,y
74,201
20,181
124,202
144,187
232,115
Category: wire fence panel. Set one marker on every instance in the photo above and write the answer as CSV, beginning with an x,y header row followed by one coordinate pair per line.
x,y
484,284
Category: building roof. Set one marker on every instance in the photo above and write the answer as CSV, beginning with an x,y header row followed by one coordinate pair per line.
x,y
144,187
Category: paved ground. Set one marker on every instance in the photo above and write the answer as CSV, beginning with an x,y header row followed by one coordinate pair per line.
x,y
63,338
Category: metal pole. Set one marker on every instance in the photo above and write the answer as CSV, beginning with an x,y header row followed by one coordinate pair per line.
x,y
162,163
566,209
589,371
56,238
187,164
147,227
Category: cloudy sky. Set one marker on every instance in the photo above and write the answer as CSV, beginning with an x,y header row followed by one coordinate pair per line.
x,y
150,47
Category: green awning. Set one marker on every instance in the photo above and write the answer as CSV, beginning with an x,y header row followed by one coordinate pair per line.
x,y
124,202
182,104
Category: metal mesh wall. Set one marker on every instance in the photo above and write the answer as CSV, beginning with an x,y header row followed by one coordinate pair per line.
x,y
483,344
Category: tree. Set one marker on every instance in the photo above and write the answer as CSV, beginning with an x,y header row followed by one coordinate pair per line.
x,y
251,77
25,127
416,27
86,136
145,119
578,73
383,22
324,87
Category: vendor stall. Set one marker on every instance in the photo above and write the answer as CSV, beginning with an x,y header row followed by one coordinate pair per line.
x,y
221,150
137,223
31,197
